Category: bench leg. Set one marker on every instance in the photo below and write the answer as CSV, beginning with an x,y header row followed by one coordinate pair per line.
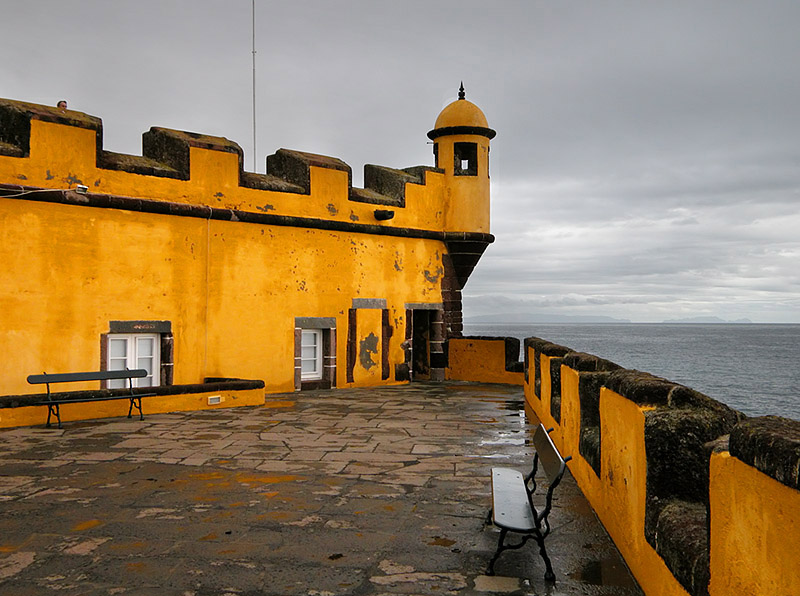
x,y
137,401
490,568
501,546
50,409
549,576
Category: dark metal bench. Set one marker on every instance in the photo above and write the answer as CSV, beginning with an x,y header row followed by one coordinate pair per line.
x,y
512,500
103,375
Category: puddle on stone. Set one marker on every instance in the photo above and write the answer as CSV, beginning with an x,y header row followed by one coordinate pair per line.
x,y
605,572
505,441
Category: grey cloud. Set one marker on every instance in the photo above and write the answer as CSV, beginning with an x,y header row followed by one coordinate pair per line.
x,y
647,157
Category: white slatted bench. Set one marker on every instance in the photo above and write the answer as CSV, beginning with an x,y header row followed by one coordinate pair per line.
x,y
513,509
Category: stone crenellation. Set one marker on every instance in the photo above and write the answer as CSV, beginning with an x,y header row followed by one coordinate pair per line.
x,y
166,154
660,463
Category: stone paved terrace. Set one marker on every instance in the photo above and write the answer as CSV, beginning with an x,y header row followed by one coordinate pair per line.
x,y
367,491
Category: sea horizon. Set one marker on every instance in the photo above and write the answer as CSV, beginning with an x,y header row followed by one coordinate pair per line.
x,y
751,367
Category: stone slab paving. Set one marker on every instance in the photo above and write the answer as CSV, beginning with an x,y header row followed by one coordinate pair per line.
x,y
363,492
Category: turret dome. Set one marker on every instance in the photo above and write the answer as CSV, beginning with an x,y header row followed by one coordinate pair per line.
x,y
461,117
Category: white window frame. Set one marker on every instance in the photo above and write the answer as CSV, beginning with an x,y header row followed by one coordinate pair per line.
x,y
132,357
316,359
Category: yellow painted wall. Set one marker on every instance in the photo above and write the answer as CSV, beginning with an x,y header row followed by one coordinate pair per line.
x,y
755,531
369,343
466,208
480,360
231,290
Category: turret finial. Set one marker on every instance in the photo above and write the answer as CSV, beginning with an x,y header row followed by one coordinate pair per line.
x,y
461,94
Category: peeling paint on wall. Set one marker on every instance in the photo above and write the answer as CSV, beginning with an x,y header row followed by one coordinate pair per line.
x,y
433,276
367,348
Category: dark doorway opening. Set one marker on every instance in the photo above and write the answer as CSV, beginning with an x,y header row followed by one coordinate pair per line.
x,y
420,345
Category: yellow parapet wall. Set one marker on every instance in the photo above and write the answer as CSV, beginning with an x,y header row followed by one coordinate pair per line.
x,y
755,519
484,360
641,449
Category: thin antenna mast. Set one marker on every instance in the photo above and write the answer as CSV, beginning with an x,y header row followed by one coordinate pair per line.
x,y
254,85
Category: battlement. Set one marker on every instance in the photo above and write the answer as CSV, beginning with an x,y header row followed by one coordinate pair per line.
x,y
52,148
699,499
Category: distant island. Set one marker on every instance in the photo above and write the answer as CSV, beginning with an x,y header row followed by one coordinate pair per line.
x,y
523,318
540,318
712,320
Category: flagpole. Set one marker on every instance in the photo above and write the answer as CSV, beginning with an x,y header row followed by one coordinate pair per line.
x,y
254,85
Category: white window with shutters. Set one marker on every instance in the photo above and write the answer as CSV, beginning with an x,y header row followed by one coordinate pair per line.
x,y
311,355
135,350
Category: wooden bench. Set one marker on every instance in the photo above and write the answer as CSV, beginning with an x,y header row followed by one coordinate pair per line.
x,y
103,375
513,509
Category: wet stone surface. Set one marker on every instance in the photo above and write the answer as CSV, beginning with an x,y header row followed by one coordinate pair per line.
x,y
368,491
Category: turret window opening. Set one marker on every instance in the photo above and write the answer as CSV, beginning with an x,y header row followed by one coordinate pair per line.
x,y
466,159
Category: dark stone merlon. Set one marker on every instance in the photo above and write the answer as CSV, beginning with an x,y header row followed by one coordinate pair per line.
x,y
295,167
592,375
135,164
15,124
770,444
677,460
387,186
267,182
172,147
646,389
640,387
421,172
589,385
555,388
676,511
388,183
541,346
582,362
680,537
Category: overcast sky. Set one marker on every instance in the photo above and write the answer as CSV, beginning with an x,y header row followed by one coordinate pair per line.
x,y
647,161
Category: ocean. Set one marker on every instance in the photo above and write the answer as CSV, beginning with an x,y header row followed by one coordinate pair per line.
x,y
750,367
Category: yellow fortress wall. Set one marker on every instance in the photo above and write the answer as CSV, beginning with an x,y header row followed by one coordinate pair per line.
x,y
485,360
691,511
292,277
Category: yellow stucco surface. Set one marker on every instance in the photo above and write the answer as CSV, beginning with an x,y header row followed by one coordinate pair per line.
x,y
464,208
231,290
479,360
755,531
